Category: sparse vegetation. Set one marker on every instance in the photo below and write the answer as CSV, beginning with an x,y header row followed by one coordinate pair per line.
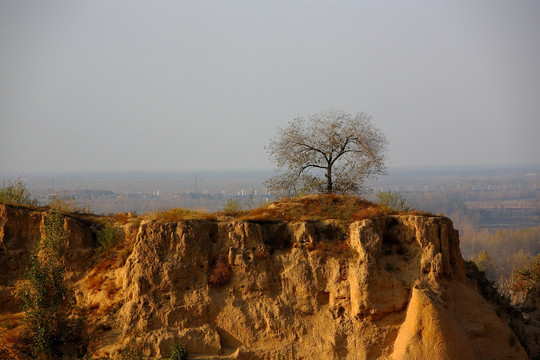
x,y
132,351
233,207
178,214
392,200
16,193
220,273
178,352
309,208
64,204
109,237
371,212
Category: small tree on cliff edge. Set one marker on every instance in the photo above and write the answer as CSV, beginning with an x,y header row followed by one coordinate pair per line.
x,y
331,152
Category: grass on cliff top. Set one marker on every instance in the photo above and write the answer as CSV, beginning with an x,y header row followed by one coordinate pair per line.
x,y
317,207
302,208
305,208
177,214
321,207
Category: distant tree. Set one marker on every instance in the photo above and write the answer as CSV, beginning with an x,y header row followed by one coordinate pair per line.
x,y
331,152
485,263
16,193
392,200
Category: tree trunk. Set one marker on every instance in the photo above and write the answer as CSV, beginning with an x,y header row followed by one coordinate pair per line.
x,y
329,179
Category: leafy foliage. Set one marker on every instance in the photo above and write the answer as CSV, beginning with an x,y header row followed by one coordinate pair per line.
x,y
331,152
109,237
525,278
485,263
50,316
392,200
41,303
16,193
178,352
53,245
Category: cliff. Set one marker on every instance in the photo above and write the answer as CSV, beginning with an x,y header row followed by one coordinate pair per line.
x,y
390,287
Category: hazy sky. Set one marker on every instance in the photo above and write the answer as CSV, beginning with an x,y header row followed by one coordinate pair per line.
x,y
191,85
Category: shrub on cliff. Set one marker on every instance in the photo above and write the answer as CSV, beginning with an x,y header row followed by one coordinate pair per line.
x,y
50,315
178,352
233,207
16,193
392,200
108,237
64,204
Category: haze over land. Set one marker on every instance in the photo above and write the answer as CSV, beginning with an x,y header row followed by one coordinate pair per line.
x,y
187,86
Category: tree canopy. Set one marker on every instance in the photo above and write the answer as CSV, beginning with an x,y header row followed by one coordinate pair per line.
x,y
331,152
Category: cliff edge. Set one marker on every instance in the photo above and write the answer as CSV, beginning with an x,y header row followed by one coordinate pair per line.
x,y
389,287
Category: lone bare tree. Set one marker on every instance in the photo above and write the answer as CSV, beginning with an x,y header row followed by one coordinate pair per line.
x,y
332,152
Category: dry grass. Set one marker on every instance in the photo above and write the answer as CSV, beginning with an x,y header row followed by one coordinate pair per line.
x,y
9,321
345,208
341,246
111,290
104,265
220,273
371,212
178,214
321,246
309,208
12,335
420,213
95,282
261,254
121,218
265,214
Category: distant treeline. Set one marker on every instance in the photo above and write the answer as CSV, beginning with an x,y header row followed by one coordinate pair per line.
x,y
496,249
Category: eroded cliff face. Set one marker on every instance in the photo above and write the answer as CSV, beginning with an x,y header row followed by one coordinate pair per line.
x,y
395,288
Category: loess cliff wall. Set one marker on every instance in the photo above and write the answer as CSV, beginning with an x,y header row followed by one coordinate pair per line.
x,y
391,287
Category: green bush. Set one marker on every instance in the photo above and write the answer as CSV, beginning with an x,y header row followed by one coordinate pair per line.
x,y
485,263
109,237
232,207
392,200
50,316
178,352
132,351
16,193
